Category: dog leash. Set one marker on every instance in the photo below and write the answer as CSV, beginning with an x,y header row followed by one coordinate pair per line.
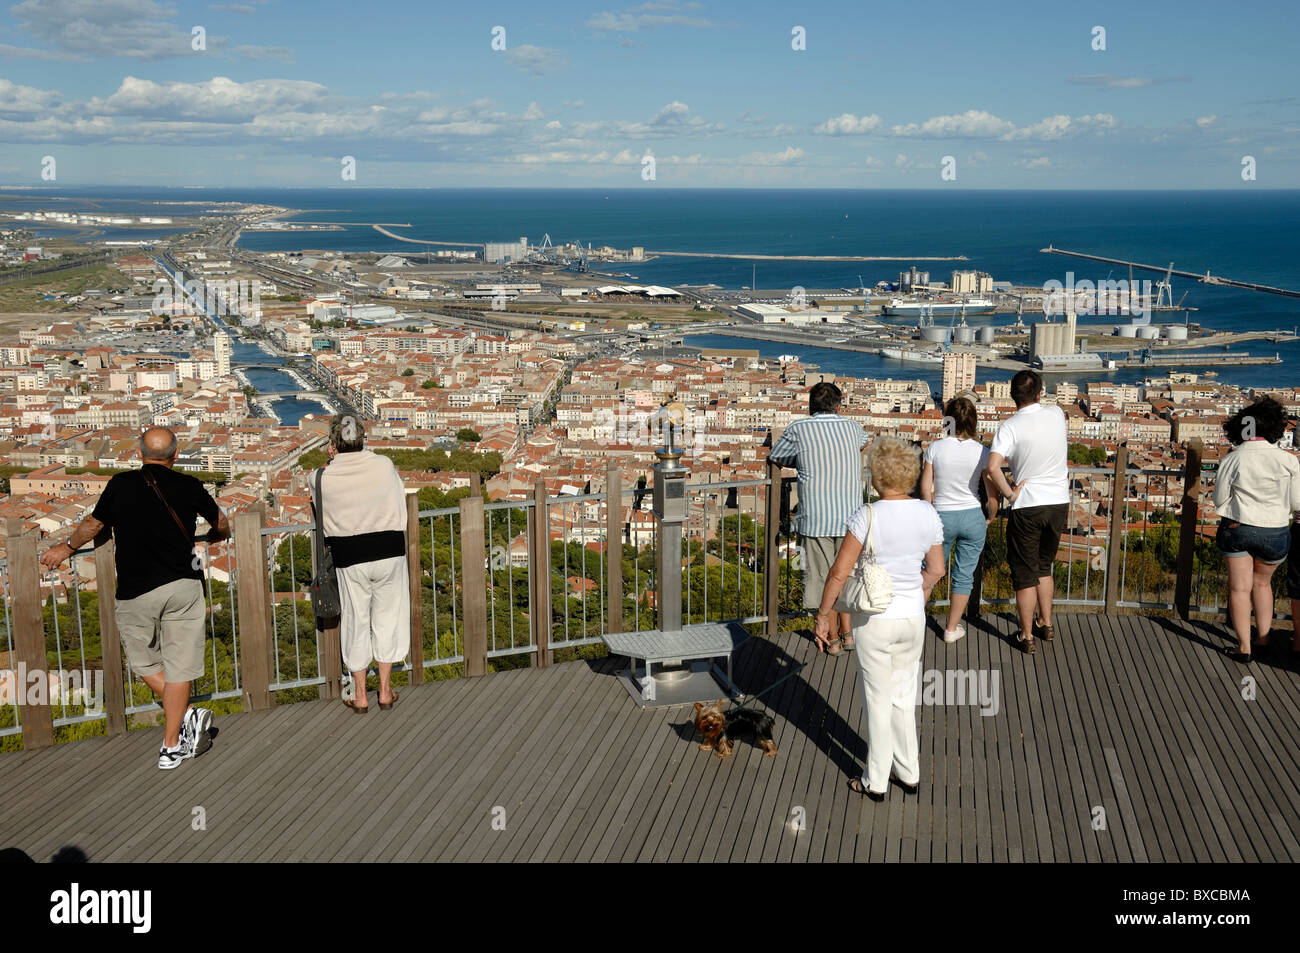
x,y
790,674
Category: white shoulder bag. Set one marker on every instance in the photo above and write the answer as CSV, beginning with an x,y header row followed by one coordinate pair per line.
x,y
869,589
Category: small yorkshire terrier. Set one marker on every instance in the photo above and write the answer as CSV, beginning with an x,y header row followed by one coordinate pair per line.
x,y
720,728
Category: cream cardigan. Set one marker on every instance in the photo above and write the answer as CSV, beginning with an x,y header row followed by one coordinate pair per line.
x,y
363,494
1258,484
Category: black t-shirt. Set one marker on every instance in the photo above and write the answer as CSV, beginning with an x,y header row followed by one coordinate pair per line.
x,y
151,551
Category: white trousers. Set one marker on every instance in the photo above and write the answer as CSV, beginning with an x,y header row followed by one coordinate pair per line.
x,y
376,619
889,652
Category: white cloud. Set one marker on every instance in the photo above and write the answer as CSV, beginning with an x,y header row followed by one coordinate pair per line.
x,y
784,157
646,16
218,99
871,162
1038,162
537,60
1109,81
134,29
979,124
1053,127
848,125
972,124
1205,122
675,108
18,100
674,119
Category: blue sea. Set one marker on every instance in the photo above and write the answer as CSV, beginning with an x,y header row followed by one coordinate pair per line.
x,y
1246,234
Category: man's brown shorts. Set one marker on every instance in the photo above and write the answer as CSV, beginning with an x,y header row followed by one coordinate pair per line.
x,y
1033,535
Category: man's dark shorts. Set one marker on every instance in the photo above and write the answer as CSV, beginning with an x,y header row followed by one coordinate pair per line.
x,y
1033,535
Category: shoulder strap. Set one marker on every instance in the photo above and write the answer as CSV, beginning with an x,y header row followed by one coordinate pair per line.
x,y
870,546
320,505
148,478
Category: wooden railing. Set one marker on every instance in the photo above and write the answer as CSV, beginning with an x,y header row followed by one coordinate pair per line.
x,y
475,606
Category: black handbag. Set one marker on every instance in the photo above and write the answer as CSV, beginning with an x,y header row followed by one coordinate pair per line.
x,y
325,602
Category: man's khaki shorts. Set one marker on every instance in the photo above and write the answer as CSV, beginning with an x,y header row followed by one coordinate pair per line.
x,y
162,630
819,554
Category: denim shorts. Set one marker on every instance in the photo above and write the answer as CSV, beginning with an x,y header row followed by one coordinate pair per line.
x,y
963,537
1268,544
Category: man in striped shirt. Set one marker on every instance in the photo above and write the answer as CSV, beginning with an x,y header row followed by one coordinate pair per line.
x,y
826,450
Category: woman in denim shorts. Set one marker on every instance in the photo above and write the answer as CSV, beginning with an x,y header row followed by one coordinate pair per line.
x,y
1256,491
950,480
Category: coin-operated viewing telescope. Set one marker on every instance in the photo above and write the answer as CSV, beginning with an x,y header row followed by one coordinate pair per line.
x,y
680,663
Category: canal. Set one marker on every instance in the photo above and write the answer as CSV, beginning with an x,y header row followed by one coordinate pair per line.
x,y
266,381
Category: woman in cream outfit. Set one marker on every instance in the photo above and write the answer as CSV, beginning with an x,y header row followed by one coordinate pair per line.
x,y
908,539
365,526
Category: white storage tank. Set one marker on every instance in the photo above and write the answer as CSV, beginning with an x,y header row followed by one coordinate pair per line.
x,y
964,335
1126,330
1149,332
988,334
935,335
1176,332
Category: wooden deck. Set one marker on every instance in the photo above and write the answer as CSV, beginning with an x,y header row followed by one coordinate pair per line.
x,y
1138,717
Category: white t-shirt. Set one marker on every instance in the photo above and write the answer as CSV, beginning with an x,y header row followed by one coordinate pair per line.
x,y
1033,442
905,531
958,467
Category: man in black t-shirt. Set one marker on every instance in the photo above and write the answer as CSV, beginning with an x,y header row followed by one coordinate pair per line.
x,y
161,613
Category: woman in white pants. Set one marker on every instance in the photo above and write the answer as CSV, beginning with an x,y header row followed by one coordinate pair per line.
x,y
364,515
908,538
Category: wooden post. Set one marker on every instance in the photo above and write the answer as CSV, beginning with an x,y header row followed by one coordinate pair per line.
x,y
255,641
539,557
29,635
1189,518
475,483
473,558
1118,510
110,642
415,573
613,548
771,558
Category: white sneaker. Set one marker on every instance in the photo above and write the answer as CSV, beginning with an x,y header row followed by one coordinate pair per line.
x,y
169,758
953,635
194,729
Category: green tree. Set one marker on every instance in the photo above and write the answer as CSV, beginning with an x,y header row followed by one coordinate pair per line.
x,y
467,435
1085,456
291,571
313,459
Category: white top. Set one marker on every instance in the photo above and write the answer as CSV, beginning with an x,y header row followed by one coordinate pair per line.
x,y
1258,484
959,465
1033,442
363,494
905,531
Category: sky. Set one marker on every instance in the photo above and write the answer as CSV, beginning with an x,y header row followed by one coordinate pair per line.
x,y
1045,95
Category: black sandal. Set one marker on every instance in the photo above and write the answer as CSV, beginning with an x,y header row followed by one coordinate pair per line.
x,y
1243,657
1026,642
857,787
907,788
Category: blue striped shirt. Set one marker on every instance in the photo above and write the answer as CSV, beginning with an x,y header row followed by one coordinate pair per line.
x,y
826,450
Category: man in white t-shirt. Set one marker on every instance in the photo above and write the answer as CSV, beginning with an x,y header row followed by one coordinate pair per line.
x,y
1032,441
